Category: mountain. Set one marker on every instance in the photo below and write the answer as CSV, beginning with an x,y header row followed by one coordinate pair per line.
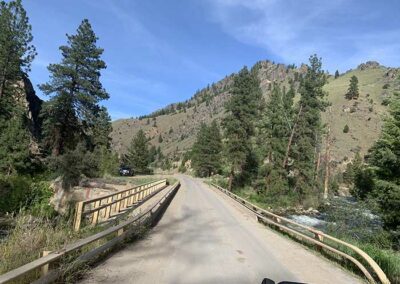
x,y
178,123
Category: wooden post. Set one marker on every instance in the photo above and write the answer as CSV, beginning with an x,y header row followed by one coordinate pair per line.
x,y
45,268
96,213
118,207
120,232
78,216
108,208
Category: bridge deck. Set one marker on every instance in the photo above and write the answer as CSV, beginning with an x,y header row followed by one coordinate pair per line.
x,y
204,237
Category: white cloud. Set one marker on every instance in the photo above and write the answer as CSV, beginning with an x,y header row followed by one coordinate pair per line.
x,y
293,30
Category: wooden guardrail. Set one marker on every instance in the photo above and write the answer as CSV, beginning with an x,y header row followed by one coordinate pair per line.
x,y
108,206
121,232
313,236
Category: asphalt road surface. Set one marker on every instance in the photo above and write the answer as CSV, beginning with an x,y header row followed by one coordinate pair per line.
x,y
205,237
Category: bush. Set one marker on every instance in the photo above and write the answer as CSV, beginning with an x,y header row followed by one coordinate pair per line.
x,y
386,86
75,163
19,192
346,129
14,192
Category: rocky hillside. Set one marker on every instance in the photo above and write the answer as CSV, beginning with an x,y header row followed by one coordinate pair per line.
x,y
178,123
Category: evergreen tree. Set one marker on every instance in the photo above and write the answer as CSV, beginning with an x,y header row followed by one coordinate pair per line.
x,y
353,93
337,74
16,50
76,90
101,130
206,151
383,173
275,128
242,111
14,146
138,153
308,130
160,139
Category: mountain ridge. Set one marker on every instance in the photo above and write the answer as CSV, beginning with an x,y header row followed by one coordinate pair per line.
x,y
178,123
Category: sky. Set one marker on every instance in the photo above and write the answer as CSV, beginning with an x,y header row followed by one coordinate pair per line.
x,y
159,52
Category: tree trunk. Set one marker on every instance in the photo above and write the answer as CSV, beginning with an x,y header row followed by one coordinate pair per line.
x,y
327,158
291,138
231,175
318,165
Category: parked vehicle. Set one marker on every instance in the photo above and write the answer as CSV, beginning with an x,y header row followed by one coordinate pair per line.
x,y
125,171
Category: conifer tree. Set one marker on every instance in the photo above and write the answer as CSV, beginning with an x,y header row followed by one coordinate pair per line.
x,y
242,111
337,74
14,146
16,50
383,173
76,90
353,93
307,134
206,151
275,128
138,153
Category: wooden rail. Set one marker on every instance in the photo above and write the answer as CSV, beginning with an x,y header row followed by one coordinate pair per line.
x,y
121,232
314,237
108,206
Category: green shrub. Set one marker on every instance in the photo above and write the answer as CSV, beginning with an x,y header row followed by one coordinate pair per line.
x,y
14,192
346,129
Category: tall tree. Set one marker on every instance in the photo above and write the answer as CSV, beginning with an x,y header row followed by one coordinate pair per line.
x,y
75,88
275,128
16,50
307,135
14,146
383,172
352,92
337,74
206,151
138,153
242,110
16,55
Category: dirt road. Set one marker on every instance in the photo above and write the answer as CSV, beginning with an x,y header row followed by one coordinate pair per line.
x,y
205,237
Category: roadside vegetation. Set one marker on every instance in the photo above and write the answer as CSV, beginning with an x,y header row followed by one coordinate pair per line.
x,y
276,155
68,139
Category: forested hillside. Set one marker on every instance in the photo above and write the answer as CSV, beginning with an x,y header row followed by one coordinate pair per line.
x,y
178,123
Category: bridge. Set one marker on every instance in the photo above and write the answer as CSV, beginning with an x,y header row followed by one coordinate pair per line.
x,y
204,234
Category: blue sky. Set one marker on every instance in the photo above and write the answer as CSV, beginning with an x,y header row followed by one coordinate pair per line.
x,y
160,51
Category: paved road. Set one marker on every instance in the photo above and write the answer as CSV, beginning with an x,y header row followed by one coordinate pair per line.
x,y
205,237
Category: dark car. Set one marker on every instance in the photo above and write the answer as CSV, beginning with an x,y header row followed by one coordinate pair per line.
x,y
125,171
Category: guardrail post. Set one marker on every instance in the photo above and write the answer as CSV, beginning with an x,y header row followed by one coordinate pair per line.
x,y
45,268
108,209
96,213
78,216
120,232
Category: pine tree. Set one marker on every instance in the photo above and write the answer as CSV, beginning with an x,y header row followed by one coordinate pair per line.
x,y
383,174
337,74
275,128
206,151
76,90
16,50
101,129
160,139
138,153
242,111
14,146
353,93
307,133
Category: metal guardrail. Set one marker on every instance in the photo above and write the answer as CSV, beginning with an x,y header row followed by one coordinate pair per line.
x,y
108,206
317,238
121,232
